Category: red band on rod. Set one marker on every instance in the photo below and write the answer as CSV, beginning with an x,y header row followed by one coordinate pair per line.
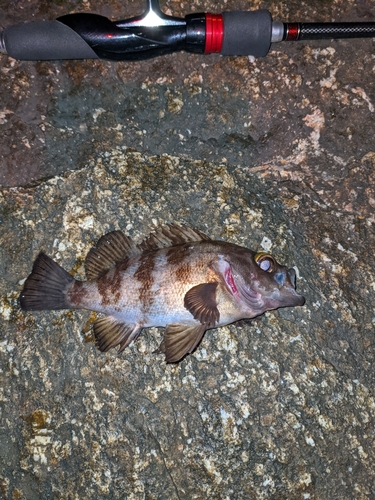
x,y
214,33
293,32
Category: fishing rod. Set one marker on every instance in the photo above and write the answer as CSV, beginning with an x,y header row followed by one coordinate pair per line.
x,y
235,33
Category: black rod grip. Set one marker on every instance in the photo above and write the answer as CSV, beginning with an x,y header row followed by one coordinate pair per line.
x,y
247,33
45,40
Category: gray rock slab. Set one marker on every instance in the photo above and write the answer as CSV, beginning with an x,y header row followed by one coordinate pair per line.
x,y
282,405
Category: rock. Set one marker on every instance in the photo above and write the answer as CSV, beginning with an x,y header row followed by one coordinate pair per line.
x,y
280,404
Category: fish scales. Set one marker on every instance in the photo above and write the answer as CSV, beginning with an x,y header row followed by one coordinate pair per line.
x,y
152,286
177,278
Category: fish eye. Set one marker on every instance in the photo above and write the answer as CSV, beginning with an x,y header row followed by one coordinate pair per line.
x,y
265,262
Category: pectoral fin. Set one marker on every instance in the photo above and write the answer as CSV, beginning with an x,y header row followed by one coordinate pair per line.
x,y
180,340
201,302
110,333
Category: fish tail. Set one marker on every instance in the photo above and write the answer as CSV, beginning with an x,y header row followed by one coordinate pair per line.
x,y
45,288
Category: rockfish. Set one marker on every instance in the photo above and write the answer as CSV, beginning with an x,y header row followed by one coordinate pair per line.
x,y
176,278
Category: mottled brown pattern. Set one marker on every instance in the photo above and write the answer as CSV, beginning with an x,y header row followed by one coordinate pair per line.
x,y
76,293
183,272
109,286
144,275
177,254
103,288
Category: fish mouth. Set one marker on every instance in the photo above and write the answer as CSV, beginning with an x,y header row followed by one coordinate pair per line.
x,y
293,279
288,297
288,294
283,294
295,300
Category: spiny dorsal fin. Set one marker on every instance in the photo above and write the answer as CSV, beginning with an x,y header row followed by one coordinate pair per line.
x,y
180,340
111,249
170,235
201,302
110,333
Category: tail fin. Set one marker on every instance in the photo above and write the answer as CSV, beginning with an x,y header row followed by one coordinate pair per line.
x,y
45,288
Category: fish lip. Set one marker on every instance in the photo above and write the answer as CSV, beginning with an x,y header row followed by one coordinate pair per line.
x,y
285,294
299,300
289,299
292,276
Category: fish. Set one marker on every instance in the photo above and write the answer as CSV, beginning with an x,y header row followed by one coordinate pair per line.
x,y
177,278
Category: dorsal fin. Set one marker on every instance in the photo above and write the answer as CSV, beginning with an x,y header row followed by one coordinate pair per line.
x,y
111,249
170,235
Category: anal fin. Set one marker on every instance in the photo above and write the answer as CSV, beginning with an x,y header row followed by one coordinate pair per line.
x,y
111,333
180,340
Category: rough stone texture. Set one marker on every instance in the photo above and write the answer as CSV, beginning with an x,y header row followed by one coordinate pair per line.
x,y
275,154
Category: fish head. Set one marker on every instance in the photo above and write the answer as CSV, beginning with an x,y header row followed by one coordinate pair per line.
x,y
258,282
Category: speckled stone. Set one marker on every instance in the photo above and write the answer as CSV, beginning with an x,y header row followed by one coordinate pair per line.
x,y
282,405
274,154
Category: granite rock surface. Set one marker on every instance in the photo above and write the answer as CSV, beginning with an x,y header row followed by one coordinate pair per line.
x,y
274,154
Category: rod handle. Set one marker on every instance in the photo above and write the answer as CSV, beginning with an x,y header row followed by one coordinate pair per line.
x,y
45,40
90,36
247,33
